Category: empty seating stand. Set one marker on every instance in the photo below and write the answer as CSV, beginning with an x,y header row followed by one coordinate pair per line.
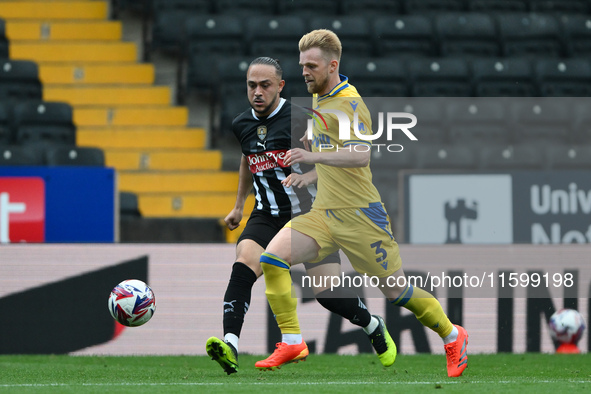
x,y
404,35
168,25
503,77
210,37
12,155
39,122
530,35
577,34
3,40
19,80
274,36
74,156
353,31
467,34
440,77
563,77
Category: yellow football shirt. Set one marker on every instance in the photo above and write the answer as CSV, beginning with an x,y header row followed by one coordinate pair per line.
x,y
342,187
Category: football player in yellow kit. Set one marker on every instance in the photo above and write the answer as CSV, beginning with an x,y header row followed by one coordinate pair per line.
x,y
347,214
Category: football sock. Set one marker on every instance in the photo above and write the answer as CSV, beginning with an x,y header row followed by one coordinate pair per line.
x,y
371,327
232,339
292,339
426,308
279,293
237,299
345,303
451,337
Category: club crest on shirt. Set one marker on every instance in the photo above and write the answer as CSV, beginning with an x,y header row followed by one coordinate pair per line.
x,y
262,132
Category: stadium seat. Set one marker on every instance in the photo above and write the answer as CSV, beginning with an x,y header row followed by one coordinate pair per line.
x,y
467,34
377,77
187,6
432,6
168,31
446,157
503,77
74,156
231,80
274,36
371,8
511,157
443,77
168,22
292,75
383,163
404,35
232,71
19,80
389,189
39,122
210,37
308,8
243,8
128,205
497,5
138,6
386,167
540,120
569,157
560,6
530,35
6,131
432,125
563,77
473,120
577,31
3,40
353,31
581,125
11,155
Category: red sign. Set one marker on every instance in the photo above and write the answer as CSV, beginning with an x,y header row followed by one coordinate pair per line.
x,y
22,209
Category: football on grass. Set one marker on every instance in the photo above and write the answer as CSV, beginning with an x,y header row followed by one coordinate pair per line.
x,y
132,303
567,326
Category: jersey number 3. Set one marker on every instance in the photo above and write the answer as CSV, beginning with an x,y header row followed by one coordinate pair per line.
x,y
382,254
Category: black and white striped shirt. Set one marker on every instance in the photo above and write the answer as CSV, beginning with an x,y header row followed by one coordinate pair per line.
x,y
264,142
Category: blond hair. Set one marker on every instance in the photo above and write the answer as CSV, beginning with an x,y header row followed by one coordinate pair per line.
x,y
326,40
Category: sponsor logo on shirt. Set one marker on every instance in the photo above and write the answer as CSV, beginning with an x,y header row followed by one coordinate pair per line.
x,y
266,160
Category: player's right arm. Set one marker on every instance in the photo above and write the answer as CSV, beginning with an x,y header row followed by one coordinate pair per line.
x,y
244,187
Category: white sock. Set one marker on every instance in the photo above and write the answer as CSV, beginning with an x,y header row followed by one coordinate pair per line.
x,y
371,327
451,337
292,339
233,339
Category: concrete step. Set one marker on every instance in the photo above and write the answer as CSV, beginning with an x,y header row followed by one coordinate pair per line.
x,y
204,205
163,159
137,116
74,51
141,138
178,181
45,30
108,95
54,10
89,73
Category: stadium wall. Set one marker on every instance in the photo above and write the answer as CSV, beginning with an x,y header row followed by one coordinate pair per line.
x,y
53,298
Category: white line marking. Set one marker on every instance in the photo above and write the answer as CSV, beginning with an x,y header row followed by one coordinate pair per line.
x,y
139,384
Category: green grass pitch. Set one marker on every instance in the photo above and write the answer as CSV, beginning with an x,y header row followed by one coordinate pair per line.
x,y
518,373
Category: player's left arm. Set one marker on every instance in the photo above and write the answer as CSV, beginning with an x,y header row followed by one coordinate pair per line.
x,y
350,153
349,157
301,180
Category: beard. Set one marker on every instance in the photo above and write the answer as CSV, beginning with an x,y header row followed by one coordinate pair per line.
x,y
318,86
267,108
